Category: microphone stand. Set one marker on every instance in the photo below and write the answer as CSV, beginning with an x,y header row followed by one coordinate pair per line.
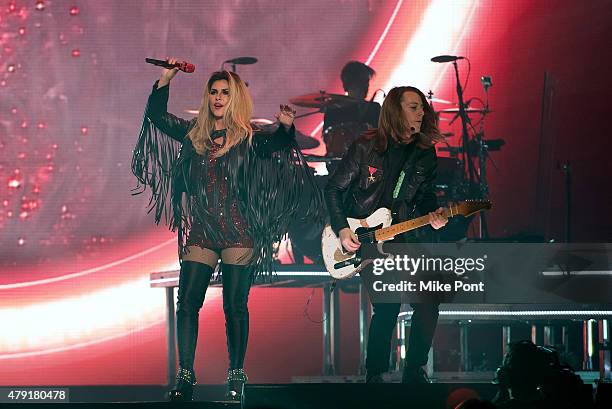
x,y
482,156
464,131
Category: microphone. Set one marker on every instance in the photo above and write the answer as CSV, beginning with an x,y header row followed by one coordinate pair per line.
x,y
183,66
241,61
446,58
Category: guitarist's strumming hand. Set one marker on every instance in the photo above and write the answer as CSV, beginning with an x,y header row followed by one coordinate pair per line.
x,y
349,240
437,219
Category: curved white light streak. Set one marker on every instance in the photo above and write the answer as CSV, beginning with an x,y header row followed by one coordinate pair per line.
x,y
65,348
459,41
57,323
83,320
385,31
442,24
374,50
88,271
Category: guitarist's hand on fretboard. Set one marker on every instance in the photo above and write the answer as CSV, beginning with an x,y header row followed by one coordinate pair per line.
x,y
349,240
437,219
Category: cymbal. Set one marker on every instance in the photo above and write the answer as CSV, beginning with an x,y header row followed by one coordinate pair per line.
x,y
261,122
439,100
468,110
305,141
320,100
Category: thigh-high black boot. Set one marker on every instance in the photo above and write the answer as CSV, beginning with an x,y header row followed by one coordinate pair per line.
x,y
193,282
236,286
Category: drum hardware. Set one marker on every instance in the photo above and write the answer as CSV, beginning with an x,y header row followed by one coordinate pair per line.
x,y
474,179
340,136
482,111
337,137
490,145
432,99
323,100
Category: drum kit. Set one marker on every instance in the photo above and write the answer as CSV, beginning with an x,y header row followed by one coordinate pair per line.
x,y
337,138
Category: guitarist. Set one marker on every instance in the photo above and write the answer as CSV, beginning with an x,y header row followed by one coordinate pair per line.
x,y
392,166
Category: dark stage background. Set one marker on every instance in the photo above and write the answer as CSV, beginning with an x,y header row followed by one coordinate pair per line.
x,y
76,248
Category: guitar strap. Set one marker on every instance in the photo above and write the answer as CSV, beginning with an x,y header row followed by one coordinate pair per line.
x,y
398,185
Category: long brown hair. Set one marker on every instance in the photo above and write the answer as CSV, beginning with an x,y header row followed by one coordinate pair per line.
x,y
237,115
392,122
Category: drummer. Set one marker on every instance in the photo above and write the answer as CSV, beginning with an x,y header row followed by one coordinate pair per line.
x,y
360,116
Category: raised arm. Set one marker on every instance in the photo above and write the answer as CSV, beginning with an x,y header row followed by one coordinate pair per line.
x,y
157,112
157,108
156,150
284,137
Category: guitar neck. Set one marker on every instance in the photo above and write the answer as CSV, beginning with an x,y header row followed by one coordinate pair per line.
x,y
399,228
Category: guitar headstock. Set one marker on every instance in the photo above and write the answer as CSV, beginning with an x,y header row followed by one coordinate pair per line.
x,y
469,207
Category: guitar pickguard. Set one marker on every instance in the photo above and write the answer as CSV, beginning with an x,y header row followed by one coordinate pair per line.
x,y
334,253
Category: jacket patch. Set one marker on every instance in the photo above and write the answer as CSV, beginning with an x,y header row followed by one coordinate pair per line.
x,y
372,171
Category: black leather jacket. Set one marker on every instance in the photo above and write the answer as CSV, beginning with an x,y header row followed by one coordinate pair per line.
x,y
351,192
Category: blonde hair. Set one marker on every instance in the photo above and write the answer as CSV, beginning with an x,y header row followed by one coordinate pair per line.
x,y
237,116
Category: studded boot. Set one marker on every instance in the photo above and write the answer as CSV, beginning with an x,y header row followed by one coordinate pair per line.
x,y
183,390
236,378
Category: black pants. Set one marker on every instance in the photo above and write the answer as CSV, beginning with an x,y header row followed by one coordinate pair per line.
x,y
384,320
193,283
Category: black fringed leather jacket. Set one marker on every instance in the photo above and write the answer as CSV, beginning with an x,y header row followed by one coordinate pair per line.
x,y
267,177
353,191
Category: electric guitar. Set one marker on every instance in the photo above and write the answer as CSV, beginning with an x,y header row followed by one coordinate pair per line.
x,y
377,228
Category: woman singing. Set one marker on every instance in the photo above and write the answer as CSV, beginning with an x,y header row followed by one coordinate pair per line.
x,y
230,191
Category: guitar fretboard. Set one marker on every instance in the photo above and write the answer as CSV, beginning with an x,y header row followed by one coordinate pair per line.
x,y
399,228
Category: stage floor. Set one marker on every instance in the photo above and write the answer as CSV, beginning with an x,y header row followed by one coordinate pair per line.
x,y
305,395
